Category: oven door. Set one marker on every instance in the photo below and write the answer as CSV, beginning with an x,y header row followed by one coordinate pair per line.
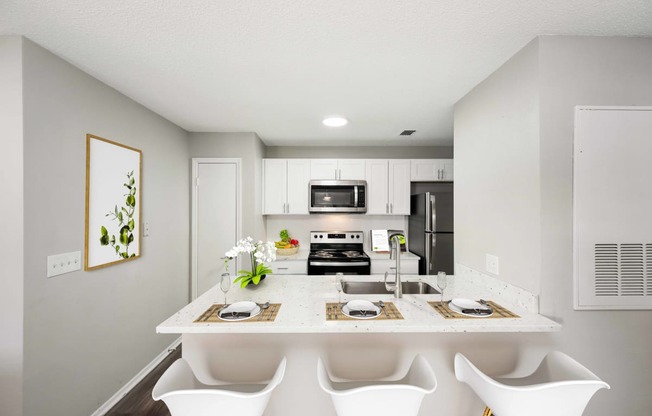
x,y
322,267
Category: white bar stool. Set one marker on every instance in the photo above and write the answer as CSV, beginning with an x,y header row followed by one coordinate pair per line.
x,y
380,398
560,386
184,395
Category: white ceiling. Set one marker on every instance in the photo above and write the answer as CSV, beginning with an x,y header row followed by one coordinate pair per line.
x,y
278,67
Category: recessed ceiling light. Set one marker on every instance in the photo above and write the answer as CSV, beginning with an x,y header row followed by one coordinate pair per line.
x,y
335,121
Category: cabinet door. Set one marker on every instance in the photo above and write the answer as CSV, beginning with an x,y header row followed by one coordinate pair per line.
x,y
351,169
399,187
377,187
289,267
274,186
408,266
323,169
298,177
424,170
431,170
447,169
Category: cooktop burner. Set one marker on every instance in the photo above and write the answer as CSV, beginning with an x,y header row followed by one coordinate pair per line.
x,y
337,254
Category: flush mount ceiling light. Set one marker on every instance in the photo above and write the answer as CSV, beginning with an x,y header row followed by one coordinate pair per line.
x,y
335,122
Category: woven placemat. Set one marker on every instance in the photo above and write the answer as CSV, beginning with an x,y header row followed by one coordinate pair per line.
x,y
334,313
267,315
446,312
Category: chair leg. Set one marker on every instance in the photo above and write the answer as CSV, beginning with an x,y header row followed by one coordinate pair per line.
x,y
487,412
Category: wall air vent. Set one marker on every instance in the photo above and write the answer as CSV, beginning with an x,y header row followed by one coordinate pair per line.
x,y
407,132
623,269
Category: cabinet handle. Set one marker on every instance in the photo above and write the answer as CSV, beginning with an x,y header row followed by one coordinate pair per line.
x,y
282,268
288,207
386,207
391,208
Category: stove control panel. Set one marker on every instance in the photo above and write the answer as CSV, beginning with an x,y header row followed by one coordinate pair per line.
x,y
336,236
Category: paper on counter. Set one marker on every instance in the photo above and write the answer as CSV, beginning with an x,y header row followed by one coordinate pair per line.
x,y
379,240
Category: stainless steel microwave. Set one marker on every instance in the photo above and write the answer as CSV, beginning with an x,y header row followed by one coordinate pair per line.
x,y
338,196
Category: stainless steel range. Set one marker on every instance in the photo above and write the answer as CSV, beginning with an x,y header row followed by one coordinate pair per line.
x,y
333,252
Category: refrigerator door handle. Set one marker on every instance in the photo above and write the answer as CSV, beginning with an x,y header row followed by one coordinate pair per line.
x,y
428,212
433,213
428,247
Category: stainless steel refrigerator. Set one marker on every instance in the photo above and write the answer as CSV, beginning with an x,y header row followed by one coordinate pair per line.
x,y
430,232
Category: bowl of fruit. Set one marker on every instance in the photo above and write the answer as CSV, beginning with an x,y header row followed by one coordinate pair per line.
x,y
286,246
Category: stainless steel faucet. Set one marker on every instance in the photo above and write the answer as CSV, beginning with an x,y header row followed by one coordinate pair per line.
x,y
395,253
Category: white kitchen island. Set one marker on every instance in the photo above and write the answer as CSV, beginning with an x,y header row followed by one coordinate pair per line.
x,y
248,351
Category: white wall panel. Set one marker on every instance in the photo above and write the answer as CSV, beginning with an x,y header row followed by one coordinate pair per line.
x,y
612,197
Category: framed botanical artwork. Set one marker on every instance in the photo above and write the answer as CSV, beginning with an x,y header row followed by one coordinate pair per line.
x,y
113,195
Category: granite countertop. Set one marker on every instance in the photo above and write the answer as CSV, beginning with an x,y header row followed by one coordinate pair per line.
x,y
303,310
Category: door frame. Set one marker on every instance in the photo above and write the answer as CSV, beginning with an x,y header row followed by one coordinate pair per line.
x,y
196,161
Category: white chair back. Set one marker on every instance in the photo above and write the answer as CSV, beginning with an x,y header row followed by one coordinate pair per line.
x,y
560,386
380,398
184,395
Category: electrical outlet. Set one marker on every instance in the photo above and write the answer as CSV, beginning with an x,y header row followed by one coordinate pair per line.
x,y
145,229
64,263
492,264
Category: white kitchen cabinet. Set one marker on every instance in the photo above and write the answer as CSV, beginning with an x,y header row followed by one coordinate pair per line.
x,y
344,169
388,187
408,266
351,169
431,170
289,267
285,186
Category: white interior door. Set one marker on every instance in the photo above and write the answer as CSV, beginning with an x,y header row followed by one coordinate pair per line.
x,y
216,219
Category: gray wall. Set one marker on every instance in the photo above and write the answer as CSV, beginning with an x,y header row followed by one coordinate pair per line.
x,y
615,344
497,193
249,148
571,71
87,333
11,224
360,152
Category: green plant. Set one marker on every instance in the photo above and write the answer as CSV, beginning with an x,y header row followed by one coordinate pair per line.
x,y
126,223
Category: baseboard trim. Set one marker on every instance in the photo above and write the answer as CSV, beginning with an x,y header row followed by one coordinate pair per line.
x,y
108,405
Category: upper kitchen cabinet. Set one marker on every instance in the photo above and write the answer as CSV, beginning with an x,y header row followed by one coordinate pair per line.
x,y
431,170
388,187
344,169
285,186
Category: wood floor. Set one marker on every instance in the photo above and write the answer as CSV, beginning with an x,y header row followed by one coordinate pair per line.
x,y
139,400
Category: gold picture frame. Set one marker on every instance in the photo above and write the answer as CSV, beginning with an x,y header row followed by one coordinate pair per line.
x,y
113,203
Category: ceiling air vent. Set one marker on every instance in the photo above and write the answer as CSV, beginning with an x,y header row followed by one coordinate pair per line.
x,y
407,132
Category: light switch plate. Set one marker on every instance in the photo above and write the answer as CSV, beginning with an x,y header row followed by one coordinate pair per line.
x,y
492,264
64,263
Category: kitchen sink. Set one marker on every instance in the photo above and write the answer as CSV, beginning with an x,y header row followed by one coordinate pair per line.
x,y
376,288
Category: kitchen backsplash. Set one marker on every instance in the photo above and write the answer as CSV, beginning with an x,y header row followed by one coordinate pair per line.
x,y
300,226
